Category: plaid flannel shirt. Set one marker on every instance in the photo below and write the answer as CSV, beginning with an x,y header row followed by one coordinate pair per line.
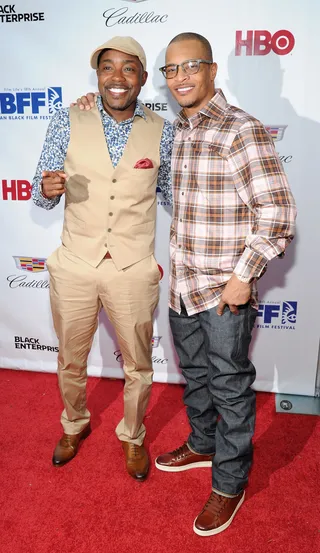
x,y
233,210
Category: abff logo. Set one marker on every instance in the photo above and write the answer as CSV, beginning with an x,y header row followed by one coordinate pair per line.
x,y
32,101
260,43
284,312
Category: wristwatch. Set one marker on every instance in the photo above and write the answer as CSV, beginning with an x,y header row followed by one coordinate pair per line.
x,y
245,280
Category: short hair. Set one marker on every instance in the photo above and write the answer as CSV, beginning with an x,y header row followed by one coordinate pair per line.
x,y
194,36
101,54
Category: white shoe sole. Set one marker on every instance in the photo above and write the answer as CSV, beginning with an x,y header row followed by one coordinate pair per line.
x,y
221,528
199,465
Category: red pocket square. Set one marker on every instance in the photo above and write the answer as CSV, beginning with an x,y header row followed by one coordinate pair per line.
x,y
144,164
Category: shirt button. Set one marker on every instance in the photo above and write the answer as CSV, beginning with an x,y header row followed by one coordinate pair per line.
x,y
180,220
114,180
189,138
109,229
110,213
185,166
182,193
111,197
179,245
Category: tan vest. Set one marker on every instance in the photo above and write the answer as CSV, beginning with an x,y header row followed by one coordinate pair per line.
x,y
106,208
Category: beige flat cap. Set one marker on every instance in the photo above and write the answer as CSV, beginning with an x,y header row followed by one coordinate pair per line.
x,y
125,44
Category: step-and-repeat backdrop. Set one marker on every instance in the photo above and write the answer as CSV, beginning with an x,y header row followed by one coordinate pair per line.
x,y
268,55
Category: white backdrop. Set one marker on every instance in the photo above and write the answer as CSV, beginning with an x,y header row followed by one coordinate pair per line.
x,y
272,73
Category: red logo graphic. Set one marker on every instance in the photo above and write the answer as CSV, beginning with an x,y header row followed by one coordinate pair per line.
x,y
16,189
260,43
160,271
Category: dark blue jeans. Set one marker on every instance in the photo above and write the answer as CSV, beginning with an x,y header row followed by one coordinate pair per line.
x,y
213,354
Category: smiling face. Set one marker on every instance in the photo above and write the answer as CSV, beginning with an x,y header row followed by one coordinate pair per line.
x,y
192,92
120,78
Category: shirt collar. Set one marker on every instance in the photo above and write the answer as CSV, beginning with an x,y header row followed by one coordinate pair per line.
x,y
214,109
139,111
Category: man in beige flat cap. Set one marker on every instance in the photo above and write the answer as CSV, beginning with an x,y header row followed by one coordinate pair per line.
x,y
107,252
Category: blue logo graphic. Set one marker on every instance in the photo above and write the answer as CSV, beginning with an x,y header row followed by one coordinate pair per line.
x,y
278,316
54,99
289,312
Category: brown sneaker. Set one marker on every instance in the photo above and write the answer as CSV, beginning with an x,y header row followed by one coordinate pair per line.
x,y
137,461
217,514
67,447
182,459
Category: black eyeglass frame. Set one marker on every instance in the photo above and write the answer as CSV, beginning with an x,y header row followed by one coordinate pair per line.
x,y
177,65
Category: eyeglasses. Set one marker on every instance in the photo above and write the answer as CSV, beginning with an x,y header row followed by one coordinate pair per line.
x,y
189,67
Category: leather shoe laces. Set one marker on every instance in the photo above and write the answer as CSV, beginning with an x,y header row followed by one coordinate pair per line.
x,y
135,450
181,451
215,504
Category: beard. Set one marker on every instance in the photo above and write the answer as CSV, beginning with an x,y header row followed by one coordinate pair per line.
x,y
184,103
117,106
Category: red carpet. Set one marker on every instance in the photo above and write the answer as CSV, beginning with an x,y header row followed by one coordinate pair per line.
x,y
92,506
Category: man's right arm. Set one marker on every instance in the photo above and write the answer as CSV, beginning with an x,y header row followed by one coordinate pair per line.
x,y
52,157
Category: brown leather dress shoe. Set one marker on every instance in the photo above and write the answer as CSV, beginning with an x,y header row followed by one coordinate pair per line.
x,y
137,461
67,447
182,459
217,514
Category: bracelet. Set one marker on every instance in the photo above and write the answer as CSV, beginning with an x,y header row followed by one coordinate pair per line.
x,y
43,194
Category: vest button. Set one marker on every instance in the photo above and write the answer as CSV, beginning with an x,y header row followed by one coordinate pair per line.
x,y
111,197
109,229
114,180
110,213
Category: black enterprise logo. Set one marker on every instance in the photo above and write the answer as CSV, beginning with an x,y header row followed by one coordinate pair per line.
x,y
121,16
156,106
32,343
8,14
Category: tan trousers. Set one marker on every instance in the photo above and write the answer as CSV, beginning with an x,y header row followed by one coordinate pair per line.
x,y
129,297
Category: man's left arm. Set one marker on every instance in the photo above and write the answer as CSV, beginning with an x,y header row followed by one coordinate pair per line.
x,y
164,174
262,185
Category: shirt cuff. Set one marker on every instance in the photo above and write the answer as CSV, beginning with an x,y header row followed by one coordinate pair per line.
x,y
250,265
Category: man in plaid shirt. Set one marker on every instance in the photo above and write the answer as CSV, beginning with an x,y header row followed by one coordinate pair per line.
x,y
233,212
